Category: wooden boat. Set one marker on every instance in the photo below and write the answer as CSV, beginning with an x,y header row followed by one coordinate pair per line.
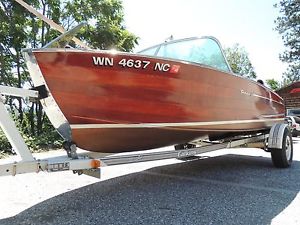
x,y
172,93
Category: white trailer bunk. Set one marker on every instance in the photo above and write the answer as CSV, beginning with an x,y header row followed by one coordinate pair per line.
x,y
278,142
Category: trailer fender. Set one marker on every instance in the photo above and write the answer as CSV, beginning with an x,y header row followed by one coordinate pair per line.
x,y
276,135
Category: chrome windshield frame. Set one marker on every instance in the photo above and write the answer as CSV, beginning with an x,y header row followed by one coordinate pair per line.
x,y
158,46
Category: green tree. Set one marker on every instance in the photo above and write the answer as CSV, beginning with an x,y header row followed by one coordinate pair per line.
x,y
20,29
239,61
273,84
12,40
288,25
108,30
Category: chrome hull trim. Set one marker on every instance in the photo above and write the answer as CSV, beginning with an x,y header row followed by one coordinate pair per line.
x,y
160,125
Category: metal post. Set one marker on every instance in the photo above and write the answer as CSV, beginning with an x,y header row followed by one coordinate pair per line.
x,y
18,92
12,133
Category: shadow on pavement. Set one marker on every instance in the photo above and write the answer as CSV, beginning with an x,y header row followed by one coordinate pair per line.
x,y
228,189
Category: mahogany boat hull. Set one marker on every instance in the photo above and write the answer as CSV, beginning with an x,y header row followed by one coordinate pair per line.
x,y
127,102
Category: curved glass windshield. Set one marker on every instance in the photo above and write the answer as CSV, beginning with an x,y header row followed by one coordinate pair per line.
x,y
205,51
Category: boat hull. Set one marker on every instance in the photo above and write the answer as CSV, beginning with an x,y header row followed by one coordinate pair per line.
x,y
129,102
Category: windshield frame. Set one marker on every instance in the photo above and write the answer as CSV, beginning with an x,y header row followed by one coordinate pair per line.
x,y
158,47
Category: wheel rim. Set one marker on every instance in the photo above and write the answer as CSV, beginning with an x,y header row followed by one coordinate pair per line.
x,y
288,148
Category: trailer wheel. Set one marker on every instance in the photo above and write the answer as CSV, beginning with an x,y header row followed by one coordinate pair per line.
x,y
282,158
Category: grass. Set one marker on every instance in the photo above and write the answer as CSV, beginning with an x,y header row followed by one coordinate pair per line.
x,y
4,154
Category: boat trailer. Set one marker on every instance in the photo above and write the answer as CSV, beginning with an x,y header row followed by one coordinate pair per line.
x,y
278,142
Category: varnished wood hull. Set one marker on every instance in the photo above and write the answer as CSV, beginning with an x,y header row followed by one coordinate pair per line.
x,y
116,107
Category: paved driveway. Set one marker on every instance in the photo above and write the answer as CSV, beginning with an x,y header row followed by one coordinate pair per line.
x,y
237,186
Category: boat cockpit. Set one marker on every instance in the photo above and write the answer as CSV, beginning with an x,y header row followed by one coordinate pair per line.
x,y
205,50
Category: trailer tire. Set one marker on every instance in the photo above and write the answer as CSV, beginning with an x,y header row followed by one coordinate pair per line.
x,y
282,158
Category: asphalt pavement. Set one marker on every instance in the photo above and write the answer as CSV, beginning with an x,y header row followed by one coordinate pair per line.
x,y
236,186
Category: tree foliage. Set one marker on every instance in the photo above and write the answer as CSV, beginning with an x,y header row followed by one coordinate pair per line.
x,y
239,61
288,25
108,30
20,29
273,84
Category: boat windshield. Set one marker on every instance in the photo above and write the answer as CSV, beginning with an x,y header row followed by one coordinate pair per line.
x,y
206,51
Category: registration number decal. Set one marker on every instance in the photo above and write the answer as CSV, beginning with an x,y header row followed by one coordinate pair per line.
x,y
135,64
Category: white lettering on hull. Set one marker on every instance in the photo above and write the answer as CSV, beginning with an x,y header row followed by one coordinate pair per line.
x,y
103,61
164,67
138,64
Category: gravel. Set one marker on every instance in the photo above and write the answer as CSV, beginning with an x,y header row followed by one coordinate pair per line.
x,y
236,186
